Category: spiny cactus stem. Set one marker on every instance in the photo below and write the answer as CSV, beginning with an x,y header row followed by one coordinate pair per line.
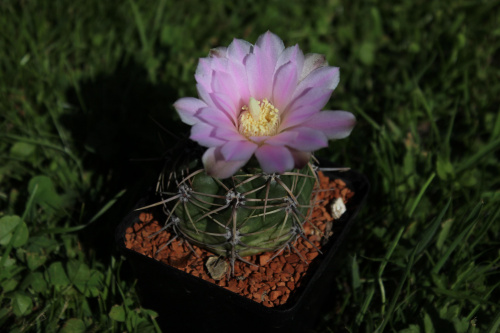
x,y
234,240
290,193
221,184
266,249
284,223
261,231
190,176
296,174
314,170
189,216
301,187
160,203
248,180
265,200
261,207
194,202
212,212
208,195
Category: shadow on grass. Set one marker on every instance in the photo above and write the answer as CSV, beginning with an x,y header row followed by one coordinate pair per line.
x,y
113,126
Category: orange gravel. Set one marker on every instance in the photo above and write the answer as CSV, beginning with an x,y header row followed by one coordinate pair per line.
x,y
271,282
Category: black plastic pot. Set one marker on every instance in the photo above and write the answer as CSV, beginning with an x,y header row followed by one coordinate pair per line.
x,y
189,304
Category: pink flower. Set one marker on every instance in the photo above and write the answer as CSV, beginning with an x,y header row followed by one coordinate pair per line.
x,y
262,99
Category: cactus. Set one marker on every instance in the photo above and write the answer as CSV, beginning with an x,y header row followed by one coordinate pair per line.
x,y
249,213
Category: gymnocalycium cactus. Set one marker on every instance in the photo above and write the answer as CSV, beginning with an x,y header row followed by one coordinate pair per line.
x,y
258,113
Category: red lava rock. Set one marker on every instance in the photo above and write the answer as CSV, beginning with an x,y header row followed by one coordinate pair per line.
x,y
293,258
274,295
264,258
268,282
288,269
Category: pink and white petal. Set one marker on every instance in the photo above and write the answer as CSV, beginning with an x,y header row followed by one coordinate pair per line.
x,y
311,62
300,158
223,83
282,139
285,82
304,106
204,66
216,166
271,45
238,50
204,134
219,64
187,108
274,159
259,78
308,139
203,74
326,77
229,134
259,139
218,52
238,150
215,117
335,124
204,94
238,72
293,54
227,104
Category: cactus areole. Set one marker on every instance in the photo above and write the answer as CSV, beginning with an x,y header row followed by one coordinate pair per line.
x,y
259,114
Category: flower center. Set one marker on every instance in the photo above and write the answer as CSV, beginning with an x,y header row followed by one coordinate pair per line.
x,y
259,118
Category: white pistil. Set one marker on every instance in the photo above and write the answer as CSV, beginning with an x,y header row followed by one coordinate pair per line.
x,y
254,109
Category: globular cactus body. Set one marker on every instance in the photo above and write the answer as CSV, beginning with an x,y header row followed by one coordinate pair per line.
x,y
249,213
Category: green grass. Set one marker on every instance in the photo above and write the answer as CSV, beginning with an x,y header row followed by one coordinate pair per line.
x,y
84,83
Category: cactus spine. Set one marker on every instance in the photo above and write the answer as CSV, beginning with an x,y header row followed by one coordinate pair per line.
x,y
249,213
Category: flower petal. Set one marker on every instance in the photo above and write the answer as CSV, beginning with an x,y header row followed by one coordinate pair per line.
x,y
239,74
259,80
203,74
308,139
238,50
238,150
204,94
293,54
226,104
274,159
311,62
326,77
187,107
271,45
223,83
215,117
228,134
205,135
216,166
304,106
282,139
335,124
285,82
261,64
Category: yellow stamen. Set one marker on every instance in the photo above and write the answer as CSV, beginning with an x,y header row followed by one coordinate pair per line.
x,y
259,118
